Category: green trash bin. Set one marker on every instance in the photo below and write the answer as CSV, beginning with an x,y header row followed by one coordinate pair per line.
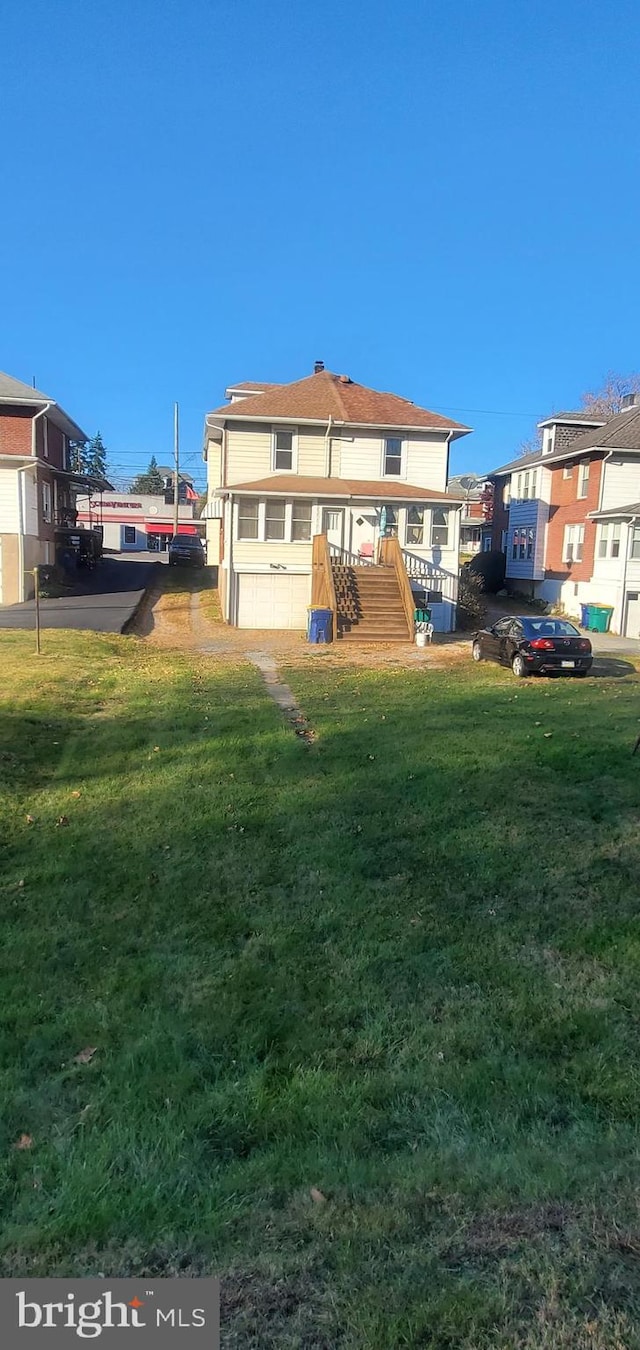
x,y
599,618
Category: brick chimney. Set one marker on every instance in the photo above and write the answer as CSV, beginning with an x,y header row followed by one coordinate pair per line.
x,y
318,366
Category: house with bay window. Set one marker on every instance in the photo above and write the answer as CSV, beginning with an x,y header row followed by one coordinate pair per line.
x,y
567,515
325,491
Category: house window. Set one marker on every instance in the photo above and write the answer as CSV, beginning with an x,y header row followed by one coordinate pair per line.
x,y
415,525
248,518
516,540
393,456
567,472
609,541
274,519
434,597
129,534
573,543
531,539
440,529
506,493
534,481
46,502
391,522
525,493
523,543
283,446
635,542
301,522
583,478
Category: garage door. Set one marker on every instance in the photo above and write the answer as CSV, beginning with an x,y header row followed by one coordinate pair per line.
x,y
273,600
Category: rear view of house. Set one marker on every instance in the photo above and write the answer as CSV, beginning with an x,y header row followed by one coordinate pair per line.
x,y
316,474
37,484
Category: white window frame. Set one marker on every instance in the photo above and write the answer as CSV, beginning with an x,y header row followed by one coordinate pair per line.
x,y
395,477
609,539
261,536
410,525
249,538
46,498
567,471
293,433
634,530
573,543
584,469
301,502
433,526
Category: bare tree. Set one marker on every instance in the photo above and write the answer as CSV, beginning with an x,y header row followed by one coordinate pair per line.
x,y
607,400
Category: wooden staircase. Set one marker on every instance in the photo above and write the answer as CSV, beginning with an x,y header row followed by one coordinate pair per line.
x,y
370,606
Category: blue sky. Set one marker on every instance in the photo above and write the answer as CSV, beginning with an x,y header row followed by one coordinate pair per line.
x,y
441,199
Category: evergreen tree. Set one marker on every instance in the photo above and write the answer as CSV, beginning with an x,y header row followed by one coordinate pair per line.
x,y
151,481
95,457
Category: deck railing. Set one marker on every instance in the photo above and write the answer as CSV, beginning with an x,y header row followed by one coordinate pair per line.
x,y
346,558
323,591
430,575
390,555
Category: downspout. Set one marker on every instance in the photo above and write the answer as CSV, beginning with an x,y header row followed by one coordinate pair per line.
x,y
623,600
33,425
327,449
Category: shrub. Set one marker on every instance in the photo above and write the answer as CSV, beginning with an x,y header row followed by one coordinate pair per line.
x,y
472,605
491,567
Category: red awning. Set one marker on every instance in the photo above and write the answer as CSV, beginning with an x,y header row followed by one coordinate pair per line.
x,y
168,529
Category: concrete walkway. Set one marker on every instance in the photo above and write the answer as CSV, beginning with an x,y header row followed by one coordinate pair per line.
x,y
103,601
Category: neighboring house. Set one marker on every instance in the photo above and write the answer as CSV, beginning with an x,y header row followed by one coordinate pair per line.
x,y
37,486
477,513
564,515
325,469
135,522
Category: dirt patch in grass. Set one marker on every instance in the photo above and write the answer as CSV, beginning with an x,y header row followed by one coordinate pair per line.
x,y
261,1309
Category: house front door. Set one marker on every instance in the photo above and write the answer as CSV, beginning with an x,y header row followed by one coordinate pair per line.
x,y
333,524
632,626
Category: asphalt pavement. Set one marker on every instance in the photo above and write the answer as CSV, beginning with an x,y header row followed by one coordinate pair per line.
x,y
103,601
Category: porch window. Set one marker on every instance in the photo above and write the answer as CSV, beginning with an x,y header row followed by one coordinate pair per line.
x,y
516,541
248,518
583,478
283,448
301,522
46,502
274,519
393,456
415,525
391,524
531,539
609,540
523,543
440,529
635,542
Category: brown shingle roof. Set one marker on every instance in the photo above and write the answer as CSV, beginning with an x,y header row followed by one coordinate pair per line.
x,y
621,432
325,395
253,386
300,485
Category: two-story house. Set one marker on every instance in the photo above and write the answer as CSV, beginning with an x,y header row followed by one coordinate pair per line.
x,y
313,482
36,483
564,514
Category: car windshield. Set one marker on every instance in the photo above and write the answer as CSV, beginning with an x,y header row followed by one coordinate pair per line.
x,y
549,628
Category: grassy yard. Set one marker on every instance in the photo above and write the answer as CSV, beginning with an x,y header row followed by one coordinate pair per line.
x,y
398,966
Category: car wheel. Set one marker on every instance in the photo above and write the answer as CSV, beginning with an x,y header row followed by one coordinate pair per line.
x,y
518,666
476,651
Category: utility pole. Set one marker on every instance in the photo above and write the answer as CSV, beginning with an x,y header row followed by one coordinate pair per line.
x,y
176,455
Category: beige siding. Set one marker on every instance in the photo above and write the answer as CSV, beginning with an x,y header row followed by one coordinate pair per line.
x,y
427,461
361,457
621,484
254,553
9,518
248,453
214,465
312,453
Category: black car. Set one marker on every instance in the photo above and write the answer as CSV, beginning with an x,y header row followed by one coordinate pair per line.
x,y
536,645
185,550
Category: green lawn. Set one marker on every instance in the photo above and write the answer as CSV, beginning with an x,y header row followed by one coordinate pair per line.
x,y
399,966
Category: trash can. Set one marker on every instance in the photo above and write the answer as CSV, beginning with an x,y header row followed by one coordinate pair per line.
x,y
319,627
584,616
599,618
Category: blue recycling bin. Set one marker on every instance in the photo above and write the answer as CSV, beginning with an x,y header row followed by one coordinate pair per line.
x,y
584,616
319,627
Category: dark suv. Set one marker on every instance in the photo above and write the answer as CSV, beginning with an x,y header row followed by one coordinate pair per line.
x,y
185,550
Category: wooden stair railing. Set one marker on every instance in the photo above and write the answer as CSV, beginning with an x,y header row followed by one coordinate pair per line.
x,y
323,591
390,555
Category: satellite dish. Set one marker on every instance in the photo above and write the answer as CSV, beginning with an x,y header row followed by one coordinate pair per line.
x,y
469,481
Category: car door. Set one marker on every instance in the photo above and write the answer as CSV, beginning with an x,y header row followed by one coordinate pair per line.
x,y
498,636
510,642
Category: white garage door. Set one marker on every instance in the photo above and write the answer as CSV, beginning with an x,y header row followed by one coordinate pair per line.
x,y
273,600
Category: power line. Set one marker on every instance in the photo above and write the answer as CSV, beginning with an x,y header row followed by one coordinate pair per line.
x,y
492,412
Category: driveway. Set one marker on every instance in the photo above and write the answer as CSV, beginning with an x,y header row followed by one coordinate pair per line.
x,y
604,644
103,601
